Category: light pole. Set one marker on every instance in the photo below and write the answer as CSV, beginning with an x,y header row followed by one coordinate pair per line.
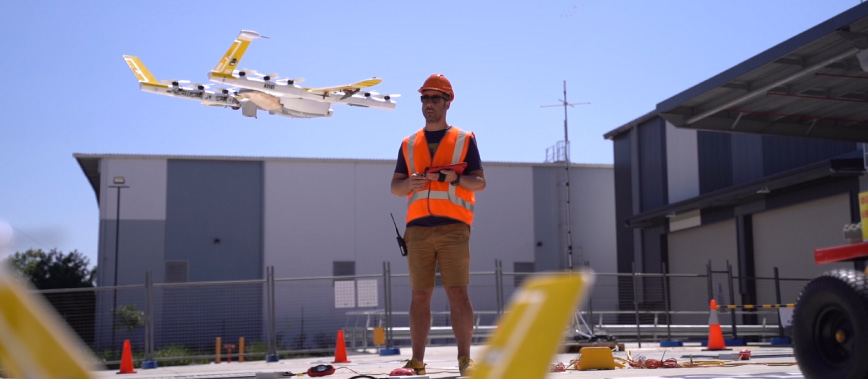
x,y
118,182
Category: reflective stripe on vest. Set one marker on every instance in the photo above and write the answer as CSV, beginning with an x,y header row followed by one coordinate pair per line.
x,y
442,195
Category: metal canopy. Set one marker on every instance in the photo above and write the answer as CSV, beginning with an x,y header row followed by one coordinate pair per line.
x,y
812,85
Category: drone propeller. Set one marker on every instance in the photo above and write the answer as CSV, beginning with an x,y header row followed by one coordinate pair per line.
x,y
385,97
174,82
265,77
225,91
201,87
290,82
247,71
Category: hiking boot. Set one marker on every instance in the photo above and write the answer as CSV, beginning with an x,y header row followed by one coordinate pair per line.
x,y
416,366
465,366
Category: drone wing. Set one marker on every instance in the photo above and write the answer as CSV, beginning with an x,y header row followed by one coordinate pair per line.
x,y
181,88
232,58
347,88
142,73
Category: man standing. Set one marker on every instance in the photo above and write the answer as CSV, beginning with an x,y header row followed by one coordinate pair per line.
x,y
439,214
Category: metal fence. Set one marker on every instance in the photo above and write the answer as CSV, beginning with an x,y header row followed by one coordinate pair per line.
x,y
177,323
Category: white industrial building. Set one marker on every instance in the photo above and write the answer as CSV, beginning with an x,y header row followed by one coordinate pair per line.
x,y
215,218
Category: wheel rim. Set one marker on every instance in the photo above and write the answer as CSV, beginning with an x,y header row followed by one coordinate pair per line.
x,y
833,336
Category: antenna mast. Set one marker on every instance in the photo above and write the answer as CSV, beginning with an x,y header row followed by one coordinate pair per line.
x,y
564,103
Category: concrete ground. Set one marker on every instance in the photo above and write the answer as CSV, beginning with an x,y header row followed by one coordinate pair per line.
x,y
765,362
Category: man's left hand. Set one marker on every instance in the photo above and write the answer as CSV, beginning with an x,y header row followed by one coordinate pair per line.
x,y
450,176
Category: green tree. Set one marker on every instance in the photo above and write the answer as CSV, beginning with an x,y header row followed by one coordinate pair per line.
x,y
128,318
54,269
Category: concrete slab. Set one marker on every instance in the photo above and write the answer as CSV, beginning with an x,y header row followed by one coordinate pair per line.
x,y
766,362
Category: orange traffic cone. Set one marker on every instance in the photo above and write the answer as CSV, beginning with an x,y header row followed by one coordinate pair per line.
x,y
715,335
340,349
127,360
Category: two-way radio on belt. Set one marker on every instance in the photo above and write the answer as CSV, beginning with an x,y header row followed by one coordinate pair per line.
x,y
401,242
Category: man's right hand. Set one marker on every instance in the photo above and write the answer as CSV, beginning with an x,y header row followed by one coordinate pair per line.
x,y
418,181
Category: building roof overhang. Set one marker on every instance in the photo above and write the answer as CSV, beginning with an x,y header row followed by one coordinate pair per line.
x,y
812,85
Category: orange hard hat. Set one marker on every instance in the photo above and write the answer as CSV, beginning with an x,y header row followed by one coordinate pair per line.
x,y
438,82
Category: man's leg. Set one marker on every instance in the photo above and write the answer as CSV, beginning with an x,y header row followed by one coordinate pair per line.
x,y
420,321
461,312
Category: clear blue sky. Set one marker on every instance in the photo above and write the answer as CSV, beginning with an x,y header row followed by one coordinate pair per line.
x,y
67,90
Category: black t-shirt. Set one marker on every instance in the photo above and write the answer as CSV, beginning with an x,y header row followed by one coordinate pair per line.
x,y
433,138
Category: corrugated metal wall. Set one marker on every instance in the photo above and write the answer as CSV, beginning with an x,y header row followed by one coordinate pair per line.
x,y
747,157
652,164
623,200
785,153
715,161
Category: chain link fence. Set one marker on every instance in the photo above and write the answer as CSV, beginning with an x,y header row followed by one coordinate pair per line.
x,y
182,323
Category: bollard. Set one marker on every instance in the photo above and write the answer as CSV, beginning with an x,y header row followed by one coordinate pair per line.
x,y
217,352
240,349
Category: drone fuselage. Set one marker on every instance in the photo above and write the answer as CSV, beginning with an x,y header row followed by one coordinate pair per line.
x,y
294,91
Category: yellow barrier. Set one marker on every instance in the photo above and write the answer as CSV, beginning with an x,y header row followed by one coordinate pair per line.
x,y
765,306
533,327
34,341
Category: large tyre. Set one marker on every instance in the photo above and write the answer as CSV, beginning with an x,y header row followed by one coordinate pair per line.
x,y
830,326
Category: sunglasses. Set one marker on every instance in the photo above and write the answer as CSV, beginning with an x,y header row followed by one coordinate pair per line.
x,y
432,99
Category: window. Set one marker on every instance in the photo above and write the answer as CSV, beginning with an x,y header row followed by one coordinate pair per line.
x,y
345,290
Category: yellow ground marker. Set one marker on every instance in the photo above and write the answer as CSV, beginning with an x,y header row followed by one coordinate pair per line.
x,y
533,327
34,341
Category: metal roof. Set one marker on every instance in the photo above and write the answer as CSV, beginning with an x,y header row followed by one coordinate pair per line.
x,y
812,85
630,125
89,162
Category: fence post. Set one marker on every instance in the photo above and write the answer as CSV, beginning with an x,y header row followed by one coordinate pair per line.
x,y
636,306
778,302
149,361
387,292
269,300
498,282
710,281
666,302
731,298
590,306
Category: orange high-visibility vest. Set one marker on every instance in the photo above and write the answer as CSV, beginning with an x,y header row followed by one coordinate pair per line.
x,y
438,198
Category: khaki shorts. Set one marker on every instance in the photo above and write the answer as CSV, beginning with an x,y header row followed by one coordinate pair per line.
x,y
446,245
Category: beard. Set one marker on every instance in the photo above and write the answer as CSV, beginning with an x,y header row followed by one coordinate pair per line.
x,y
432,116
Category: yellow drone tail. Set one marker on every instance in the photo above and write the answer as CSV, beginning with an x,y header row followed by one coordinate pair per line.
x,y
141,72
232,58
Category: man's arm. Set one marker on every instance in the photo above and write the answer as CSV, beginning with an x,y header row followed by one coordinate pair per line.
x,y
471,181
400,185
